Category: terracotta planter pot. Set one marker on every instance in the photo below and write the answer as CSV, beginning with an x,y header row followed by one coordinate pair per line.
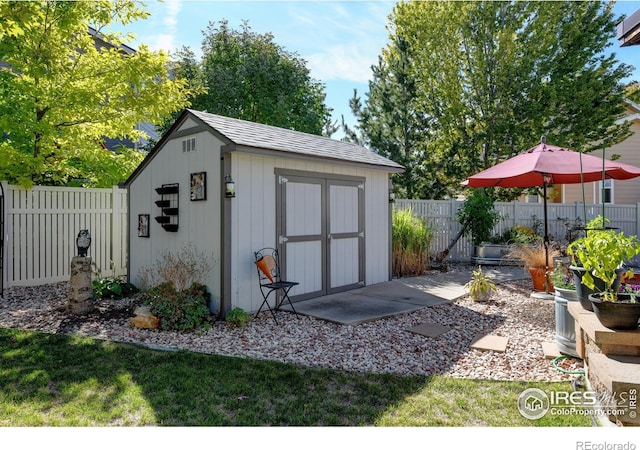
x,y
620,315
538,277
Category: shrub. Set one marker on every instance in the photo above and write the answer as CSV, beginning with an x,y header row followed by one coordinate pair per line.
x,y
238,317
112,287
533,255
180,269
411,239
517,234
180,310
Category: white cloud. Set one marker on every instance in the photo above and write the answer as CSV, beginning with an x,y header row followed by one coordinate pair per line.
x,y
341,62
351,38
165,15
173,10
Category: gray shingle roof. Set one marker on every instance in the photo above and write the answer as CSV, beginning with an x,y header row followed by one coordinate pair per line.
x,y
260,136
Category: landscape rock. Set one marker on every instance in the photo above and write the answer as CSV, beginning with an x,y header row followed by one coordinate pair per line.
x,y
144,318
382,346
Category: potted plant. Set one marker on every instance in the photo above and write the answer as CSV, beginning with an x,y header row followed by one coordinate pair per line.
x,y
575,248
602,254
497,246
564,284
480,286
534,258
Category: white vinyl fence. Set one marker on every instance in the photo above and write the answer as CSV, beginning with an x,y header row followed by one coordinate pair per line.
x,y
564,220
41,225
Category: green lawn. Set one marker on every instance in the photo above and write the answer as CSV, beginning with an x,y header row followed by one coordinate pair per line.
x,y
57,380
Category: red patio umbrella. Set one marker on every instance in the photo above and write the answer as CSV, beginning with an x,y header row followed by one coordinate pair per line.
x,y
547,164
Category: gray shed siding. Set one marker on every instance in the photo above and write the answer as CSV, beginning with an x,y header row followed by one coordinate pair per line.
x,y
253,222
199,221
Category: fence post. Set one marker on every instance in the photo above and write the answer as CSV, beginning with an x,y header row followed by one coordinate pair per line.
x,y
8,264
116,229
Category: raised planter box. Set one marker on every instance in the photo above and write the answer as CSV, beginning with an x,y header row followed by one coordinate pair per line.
x,y
493,254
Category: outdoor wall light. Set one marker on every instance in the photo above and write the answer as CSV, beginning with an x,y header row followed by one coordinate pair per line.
x,y
392,196
229,187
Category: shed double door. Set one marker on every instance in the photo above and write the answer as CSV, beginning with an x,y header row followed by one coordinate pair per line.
x,y
320,227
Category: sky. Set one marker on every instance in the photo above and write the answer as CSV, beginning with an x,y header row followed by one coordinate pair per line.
x,y
340,40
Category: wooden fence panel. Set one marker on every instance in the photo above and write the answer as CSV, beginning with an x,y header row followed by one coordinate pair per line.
x,y
564,220
41,225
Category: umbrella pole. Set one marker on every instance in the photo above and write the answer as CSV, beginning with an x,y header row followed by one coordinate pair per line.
x,y
546,238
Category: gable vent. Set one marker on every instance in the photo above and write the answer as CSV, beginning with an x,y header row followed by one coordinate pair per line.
x,y
189,145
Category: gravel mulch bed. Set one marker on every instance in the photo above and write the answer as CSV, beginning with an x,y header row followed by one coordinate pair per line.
x,y
381,346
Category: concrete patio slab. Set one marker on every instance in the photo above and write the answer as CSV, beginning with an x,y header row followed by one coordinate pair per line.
x,y
430,329
350,308
398,291
399,296
490,342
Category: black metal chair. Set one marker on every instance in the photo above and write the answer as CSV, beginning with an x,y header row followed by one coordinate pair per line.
x,y
268,265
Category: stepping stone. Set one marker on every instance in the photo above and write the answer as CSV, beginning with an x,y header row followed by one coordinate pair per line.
x,y
490,342
550,350
430,329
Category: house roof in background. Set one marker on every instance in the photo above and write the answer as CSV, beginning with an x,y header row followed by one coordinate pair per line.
x,y
244,134
629,30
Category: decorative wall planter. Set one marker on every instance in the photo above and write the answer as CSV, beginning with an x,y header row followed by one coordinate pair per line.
x,y
168,204
619,315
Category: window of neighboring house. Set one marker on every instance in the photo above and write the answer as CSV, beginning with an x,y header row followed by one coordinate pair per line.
x,y
606,191
533,198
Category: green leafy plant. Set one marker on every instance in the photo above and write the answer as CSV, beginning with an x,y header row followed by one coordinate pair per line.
x,y
480,286
562,278
517,234
602,253
238,317
411,239
478,216
112,287
180,310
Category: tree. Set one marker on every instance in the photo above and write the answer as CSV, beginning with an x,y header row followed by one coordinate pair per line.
x,y
62,93
490,78
248,76
391,123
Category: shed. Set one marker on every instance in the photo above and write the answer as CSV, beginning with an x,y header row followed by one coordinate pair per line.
x,y
324,204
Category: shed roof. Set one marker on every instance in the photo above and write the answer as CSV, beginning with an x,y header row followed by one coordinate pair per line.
x,y
243,133
244,136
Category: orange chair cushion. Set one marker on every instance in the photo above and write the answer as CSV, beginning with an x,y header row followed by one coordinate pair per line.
x,y
266,264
